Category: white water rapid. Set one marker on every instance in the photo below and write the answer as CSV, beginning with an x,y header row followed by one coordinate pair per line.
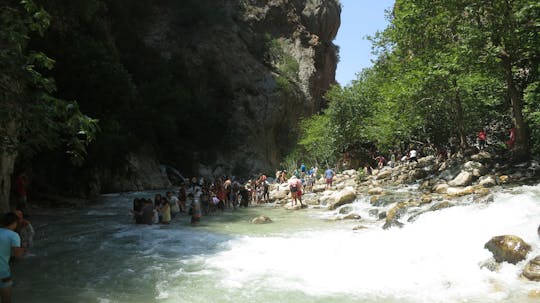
x,y
97,255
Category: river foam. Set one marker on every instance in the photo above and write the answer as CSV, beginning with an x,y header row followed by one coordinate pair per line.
x,y
435,259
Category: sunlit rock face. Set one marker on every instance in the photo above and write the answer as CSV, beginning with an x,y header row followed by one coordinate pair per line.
x,y
274,61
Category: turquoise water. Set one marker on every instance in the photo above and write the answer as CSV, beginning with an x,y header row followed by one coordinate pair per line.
x,y
97,255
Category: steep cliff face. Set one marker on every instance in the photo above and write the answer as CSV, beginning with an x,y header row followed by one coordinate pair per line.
x,y
275,60
208,87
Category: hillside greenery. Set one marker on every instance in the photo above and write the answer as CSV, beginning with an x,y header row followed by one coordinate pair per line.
x,y
444,70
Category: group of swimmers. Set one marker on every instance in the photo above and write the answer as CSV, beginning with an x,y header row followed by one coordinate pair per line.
x,y
200,197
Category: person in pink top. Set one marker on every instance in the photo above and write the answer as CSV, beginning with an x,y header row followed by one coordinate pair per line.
x,y
295,186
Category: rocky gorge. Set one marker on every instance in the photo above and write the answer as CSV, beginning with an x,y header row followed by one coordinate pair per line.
x,y
207,88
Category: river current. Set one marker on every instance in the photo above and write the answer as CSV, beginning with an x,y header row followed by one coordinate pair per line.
x,y
97,255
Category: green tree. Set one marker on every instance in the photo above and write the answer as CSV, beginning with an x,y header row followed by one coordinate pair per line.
x,y
30,118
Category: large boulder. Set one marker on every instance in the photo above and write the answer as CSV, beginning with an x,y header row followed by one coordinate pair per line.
x,y
532,269
279,194
508,248
464,178
344,196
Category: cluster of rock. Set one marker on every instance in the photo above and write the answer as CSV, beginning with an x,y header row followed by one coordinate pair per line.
x,y
440,185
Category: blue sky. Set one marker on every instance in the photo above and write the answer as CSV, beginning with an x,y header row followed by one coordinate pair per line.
x,y
359,18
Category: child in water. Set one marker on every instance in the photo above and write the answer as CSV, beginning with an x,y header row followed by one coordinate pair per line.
x,y
196,212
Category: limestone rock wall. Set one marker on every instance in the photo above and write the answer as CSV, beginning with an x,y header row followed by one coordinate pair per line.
x,y
265,95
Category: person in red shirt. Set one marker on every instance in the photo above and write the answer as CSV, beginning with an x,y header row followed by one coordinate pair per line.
x,y
482,138
20,191
510,143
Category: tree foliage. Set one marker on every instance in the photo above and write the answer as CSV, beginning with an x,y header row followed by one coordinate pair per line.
x,y
42,121
445,69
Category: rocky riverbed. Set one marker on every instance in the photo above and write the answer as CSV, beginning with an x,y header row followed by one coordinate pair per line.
x,y
399,195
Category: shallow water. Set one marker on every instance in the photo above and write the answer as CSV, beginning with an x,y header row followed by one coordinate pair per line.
x,y
97,255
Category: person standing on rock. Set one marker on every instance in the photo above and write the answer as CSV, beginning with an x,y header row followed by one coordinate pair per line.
x,y
294,187
482,138
329,176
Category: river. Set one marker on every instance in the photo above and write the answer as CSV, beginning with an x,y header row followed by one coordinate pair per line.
x,y
96,254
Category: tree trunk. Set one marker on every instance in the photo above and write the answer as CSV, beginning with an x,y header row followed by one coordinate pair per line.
x,y
8,155
459,116
520,151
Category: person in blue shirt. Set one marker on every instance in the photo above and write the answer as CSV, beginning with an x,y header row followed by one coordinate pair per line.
x,y
329,176
302,170
10,245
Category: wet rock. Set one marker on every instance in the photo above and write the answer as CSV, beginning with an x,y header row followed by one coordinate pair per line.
x,y
504,179
532,269
459,191
345,210
487,181
382,215
436,207
373,199
359,227
426,199
373,212
508,248
481,191
375,191
261,220
289,206
352,217
339,198
441,188
395,213
491,265
440,206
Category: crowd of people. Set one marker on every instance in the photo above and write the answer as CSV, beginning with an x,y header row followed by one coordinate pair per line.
x,y
201,197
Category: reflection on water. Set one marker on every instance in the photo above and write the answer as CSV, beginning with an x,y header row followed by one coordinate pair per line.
x,y
97,255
